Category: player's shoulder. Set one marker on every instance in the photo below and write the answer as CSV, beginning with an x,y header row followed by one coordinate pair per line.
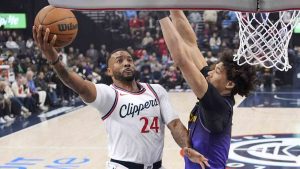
x,y
104,87
159,89
155,85
152,85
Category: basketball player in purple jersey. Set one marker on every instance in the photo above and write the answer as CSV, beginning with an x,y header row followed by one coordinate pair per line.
x,y
210,120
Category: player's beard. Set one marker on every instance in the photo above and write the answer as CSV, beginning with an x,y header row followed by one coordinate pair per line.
x,y
120,77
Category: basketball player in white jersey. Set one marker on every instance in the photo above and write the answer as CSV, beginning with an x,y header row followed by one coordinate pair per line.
x,y
135,114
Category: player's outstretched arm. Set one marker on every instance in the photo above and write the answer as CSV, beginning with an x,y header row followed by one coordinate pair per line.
x,y
180,135
183,27
188,35
182,55
178,130
84,88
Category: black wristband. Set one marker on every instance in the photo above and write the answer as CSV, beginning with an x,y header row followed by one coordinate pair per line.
x,y
55,62
162,14
205,71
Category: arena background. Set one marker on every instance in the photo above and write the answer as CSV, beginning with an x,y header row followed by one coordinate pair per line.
x,y
64,129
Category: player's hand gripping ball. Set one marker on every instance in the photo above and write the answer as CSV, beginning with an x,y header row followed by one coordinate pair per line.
x,y
61,22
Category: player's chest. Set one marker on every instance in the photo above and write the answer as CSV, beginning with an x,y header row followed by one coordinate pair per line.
x,y
134,106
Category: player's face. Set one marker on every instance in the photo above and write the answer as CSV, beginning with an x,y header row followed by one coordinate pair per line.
x,y
218,78
121,66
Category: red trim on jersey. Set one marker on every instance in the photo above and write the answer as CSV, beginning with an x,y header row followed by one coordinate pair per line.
x,y
153,91
134,93
113,107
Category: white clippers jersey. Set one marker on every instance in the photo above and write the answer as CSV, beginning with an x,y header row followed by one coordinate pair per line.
x,y
135,122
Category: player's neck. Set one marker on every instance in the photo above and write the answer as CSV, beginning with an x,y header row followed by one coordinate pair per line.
x,y
225,93
129,86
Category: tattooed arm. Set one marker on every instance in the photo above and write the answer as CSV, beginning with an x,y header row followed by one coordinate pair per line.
x,y
179,133
84,88
178,130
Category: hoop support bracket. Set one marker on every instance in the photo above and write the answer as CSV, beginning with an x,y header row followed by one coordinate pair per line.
x,y
257,5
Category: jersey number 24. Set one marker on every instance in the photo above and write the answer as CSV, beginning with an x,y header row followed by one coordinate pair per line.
x,y
154,125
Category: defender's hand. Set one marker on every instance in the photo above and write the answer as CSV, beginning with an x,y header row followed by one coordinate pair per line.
x,y
196,157
43,42
162,14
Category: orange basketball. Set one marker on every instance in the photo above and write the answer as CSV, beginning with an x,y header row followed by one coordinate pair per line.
x,y
61,23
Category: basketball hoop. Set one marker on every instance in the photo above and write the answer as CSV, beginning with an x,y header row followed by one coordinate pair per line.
x,y
264,40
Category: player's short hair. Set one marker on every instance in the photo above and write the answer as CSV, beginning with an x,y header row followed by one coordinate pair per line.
x,y
114,51
243,76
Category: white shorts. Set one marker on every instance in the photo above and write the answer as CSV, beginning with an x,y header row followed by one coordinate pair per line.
x,y
113,165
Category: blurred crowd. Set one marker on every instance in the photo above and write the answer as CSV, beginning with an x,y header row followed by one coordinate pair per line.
x,y
28,85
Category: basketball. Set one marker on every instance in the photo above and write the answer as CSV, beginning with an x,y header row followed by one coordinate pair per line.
x,y
61,23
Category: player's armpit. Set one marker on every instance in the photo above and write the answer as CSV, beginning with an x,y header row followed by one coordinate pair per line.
x,y
194,78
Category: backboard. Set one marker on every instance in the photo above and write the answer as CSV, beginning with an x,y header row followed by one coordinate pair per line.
x,y
233,5
265,44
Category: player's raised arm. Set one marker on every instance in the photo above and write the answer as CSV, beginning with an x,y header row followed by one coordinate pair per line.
x,y
182,55
188,35
84,88
183,27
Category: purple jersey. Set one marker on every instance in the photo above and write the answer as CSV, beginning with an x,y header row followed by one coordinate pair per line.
x,y
213,145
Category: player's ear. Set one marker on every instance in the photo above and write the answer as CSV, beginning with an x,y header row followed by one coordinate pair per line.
x,y
109,71
230,85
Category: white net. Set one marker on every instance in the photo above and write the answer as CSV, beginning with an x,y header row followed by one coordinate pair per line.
x,y
264,38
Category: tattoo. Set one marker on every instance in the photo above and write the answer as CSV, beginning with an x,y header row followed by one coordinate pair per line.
x,y
63,72
69,78
180,133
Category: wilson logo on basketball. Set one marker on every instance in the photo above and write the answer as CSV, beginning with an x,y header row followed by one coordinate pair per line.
x,y
67,27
